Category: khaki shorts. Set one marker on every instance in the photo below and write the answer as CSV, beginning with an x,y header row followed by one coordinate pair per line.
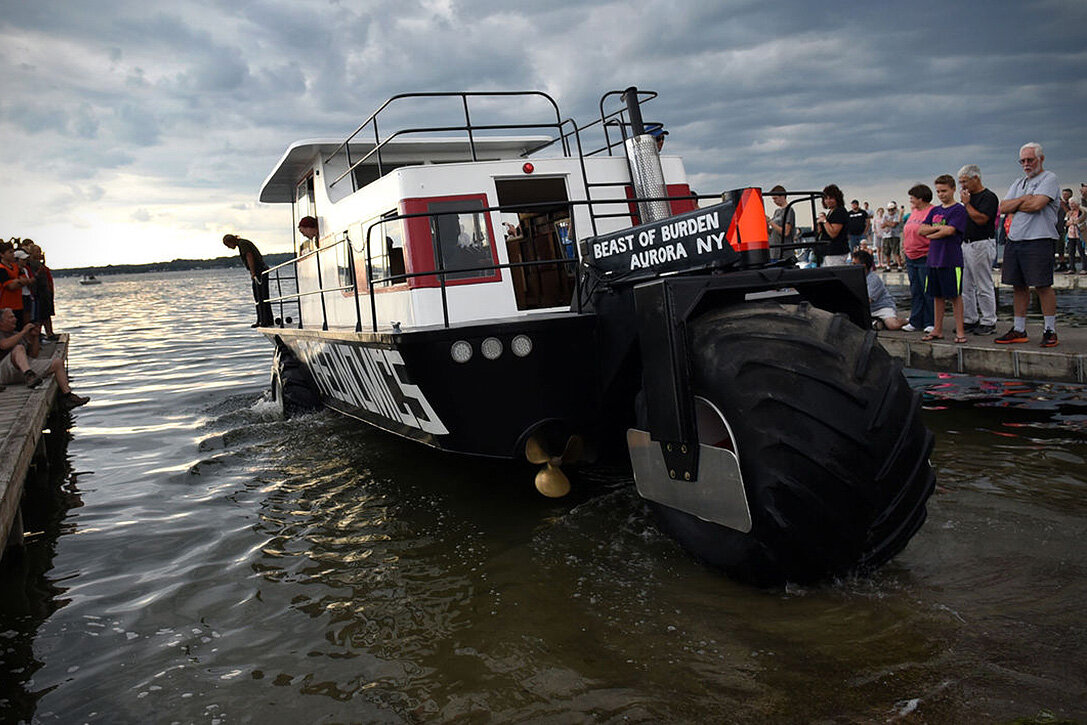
x,y
11,374
892,246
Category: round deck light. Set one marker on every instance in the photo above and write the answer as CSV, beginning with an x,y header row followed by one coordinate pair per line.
x,y
528,168
461,351
521,345
491,348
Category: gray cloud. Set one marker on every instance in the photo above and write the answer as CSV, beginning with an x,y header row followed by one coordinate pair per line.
x,y
207,95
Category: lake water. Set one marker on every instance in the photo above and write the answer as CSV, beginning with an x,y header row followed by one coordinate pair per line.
x,y
201,561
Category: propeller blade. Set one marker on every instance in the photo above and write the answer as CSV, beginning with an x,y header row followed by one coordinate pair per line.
x,y
575,448
535,452
552,482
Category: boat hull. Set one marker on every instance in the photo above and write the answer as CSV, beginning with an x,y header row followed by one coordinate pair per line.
x,y
409,384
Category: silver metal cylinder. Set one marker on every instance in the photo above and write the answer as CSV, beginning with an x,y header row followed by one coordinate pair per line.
x,y
648,177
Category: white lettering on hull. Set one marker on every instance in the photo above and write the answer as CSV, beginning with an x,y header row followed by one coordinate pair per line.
x,y
370,378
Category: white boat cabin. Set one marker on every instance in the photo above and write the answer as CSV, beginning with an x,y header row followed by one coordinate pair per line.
x,y
392,213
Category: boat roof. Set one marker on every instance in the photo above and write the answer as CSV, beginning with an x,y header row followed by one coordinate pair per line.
x,y
301,155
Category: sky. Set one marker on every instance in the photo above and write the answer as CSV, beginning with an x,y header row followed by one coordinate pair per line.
x,y
137,131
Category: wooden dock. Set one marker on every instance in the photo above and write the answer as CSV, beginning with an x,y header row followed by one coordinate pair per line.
x,y
23,413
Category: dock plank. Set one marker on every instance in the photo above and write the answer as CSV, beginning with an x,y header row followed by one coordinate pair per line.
x,y
23,413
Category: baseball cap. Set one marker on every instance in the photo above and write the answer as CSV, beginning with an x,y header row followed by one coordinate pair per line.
x,y
891,203
20,254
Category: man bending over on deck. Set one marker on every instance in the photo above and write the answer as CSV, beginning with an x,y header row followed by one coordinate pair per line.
x,y
254,262
19,360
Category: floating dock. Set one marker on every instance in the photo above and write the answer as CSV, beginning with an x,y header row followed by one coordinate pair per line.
x,y
23,412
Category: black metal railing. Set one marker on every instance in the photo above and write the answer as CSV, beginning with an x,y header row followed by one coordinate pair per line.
x,y
440,271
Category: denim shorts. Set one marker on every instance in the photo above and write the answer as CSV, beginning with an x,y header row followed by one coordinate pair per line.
x,y
1028,263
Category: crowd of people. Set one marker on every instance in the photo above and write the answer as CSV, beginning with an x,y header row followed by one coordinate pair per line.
x,y
26,320
948,247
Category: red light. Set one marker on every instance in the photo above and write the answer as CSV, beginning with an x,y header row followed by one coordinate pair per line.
x,y
528,168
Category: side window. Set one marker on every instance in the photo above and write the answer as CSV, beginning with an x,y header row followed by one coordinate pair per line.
x,y
344,274
386,240
392,239
463,241
303,207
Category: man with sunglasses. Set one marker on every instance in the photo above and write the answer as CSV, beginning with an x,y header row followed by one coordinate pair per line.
x,y
1032,237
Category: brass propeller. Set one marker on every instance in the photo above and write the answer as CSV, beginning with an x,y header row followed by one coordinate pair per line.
x,y
550,480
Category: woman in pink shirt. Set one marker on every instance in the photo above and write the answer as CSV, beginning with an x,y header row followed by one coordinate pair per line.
x,y
915,249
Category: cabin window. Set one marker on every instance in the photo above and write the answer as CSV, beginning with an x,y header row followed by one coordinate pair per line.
x,y
463,239
303,206
388,250
344,274
452,233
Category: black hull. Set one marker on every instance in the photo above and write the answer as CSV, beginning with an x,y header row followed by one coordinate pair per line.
x,y
409,384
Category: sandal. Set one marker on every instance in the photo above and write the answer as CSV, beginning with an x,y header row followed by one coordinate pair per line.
x,y
959,340
931,336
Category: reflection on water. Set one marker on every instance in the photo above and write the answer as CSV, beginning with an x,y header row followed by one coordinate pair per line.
x,y
229,567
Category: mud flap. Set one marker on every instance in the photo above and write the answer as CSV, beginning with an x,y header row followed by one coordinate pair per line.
x,y
717,496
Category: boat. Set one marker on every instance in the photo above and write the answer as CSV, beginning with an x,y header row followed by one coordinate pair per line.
x,y
503,282
89,279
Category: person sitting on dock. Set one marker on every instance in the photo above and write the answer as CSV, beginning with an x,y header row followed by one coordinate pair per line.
x,y
882,305
19,360
254,262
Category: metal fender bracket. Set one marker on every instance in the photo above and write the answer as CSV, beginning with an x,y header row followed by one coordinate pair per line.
x,y
717,496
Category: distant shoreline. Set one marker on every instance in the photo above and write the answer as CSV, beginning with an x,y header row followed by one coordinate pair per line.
x,y
176,265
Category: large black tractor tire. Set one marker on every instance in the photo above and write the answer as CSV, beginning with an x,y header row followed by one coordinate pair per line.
x,y
293,387
832,449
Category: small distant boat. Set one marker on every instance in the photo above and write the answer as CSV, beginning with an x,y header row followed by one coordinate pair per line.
x,y
89,279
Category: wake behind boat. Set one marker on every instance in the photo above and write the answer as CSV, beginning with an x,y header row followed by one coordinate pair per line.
x,y
491,293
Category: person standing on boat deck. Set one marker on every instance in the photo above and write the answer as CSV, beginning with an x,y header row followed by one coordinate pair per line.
x,y
781,225
1028,251
978,252
307,225
19,361
254,262
11,283
831,227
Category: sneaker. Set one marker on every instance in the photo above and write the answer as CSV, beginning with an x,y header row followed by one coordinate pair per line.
x,y
1013,335
970,326
1049,339
71,400
909,328
984,329
929,328
32,379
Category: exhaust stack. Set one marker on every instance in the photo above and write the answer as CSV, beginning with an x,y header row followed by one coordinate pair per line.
x,y
645,164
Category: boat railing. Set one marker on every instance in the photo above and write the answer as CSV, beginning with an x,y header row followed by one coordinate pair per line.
x,y
468,127
441,272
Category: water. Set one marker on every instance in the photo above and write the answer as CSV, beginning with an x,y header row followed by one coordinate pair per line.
x,y
202,561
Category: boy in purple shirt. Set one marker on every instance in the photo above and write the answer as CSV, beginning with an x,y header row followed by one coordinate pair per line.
x,y
944,228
